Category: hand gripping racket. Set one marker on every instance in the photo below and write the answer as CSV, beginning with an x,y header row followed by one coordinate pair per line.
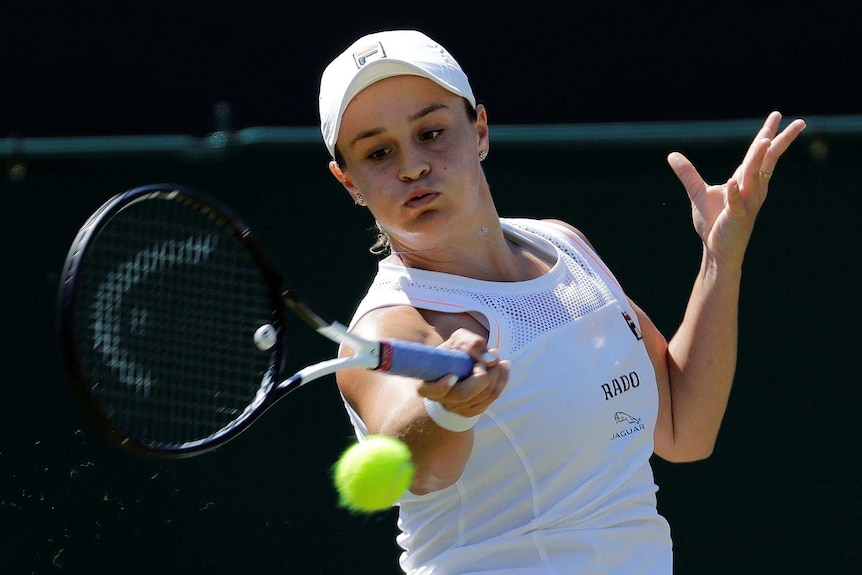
x,y
172,325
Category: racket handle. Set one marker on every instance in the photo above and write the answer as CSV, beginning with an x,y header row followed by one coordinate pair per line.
x,y
423,361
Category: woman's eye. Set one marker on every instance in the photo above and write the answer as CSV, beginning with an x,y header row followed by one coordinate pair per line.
x,y
378,154
430,135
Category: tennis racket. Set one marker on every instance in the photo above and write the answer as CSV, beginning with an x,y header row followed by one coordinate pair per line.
x,y
172,325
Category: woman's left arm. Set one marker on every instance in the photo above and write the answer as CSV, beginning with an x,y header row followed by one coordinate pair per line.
x,y
696,367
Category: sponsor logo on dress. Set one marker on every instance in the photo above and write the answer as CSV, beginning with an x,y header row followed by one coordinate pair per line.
x,y
621,384
632,425
632,325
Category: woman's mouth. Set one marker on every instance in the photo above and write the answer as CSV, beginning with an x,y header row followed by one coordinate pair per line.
x,y
420,198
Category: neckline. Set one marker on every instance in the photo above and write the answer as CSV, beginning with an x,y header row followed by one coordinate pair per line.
x,y
537,245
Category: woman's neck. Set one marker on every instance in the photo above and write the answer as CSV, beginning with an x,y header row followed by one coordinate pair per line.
x,y
485,254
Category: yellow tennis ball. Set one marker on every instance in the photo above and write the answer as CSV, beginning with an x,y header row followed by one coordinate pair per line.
x,y
372,475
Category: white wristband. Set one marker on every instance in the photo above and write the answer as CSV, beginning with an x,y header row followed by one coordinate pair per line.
x,y
446,419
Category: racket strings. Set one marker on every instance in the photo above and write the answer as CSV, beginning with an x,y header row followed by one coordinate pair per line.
x,y
172,300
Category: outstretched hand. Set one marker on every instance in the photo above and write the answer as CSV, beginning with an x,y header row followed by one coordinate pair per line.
x,y
724,214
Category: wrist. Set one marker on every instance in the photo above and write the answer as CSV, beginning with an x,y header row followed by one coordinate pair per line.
x,y
715,267
446,419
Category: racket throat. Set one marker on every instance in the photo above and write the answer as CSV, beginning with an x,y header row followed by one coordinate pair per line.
x,y
361,347
331,366
366,355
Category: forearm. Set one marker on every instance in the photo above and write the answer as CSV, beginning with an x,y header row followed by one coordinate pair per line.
x,y
701,358
396,406
390,405
439,455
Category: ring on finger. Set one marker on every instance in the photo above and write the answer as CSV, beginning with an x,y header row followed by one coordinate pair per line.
x,y
766,175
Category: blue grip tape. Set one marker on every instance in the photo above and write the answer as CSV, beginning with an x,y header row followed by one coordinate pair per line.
x,y
423,361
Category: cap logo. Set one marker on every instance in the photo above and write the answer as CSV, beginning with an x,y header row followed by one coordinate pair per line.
x,y
369,54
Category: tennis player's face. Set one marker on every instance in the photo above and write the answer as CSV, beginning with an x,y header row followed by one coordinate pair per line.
x,y
412,152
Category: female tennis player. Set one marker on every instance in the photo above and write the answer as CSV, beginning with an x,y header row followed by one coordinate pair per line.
x,y
539,462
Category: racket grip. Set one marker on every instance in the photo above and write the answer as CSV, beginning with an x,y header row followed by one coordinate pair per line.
x,y
423,361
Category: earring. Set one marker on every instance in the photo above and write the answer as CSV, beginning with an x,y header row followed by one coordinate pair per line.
x,y
482,155
360,201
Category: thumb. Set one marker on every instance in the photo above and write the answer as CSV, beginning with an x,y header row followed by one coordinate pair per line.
x,y
439,388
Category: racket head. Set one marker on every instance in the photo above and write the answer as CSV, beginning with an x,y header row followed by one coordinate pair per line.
x,y
162,292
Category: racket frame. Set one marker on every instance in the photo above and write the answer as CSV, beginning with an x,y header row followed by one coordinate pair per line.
x,y
397,356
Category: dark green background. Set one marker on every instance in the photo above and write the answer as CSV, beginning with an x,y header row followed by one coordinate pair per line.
x,y
780,494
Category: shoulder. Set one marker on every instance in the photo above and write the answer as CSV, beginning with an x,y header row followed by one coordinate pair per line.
x,y
558,231
568,227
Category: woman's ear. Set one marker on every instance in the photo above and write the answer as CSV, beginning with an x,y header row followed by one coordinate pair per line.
x,y
482,128
346,181
335,169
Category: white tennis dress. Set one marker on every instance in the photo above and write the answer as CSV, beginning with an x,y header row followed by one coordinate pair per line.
x,y
559,480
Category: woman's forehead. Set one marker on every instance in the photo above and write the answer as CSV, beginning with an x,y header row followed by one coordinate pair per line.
x,y
398,98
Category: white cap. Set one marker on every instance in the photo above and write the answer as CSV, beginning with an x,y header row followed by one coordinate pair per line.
x,y
378,56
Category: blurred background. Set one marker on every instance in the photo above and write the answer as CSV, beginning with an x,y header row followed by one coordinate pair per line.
x,y
125,67
585,101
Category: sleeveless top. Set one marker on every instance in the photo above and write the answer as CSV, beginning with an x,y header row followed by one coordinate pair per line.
x,y
559,479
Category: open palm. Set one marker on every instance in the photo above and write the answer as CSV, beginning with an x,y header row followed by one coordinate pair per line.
x,y
724,215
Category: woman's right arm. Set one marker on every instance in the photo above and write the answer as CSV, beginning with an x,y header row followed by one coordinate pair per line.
x,y
393,405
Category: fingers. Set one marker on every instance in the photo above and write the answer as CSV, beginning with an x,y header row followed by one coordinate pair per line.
x,y
475,394
736,207
778,142
687,174
749,171
757,165
762,156
770,126
487,379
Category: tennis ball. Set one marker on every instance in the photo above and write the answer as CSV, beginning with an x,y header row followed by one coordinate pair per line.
x,y
371,475
265,337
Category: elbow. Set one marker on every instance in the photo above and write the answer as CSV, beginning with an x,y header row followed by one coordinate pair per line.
x,y
686,457
439,459
425,484
686,453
